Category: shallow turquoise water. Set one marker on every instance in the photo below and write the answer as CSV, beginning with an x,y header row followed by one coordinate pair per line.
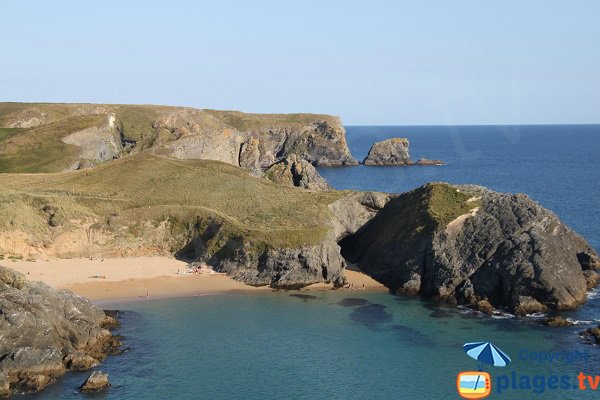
x,y
334,345
278,346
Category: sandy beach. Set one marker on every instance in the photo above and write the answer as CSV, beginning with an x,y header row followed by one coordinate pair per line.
x,y
136,278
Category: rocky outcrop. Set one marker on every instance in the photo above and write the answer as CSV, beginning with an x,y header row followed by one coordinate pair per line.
x,y
45,332
257,146
96,382
592,334
294,171
394,151
466,244
97,144
294,268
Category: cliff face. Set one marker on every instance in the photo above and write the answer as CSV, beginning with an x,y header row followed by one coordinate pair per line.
x,y
80,135
467,244
45,332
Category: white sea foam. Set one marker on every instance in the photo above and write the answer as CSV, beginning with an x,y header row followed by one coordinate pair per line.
x,y
593,294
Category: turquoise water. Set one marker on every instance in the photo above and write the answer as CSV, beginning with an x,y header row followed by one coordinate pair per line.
x,y
356,345
330,345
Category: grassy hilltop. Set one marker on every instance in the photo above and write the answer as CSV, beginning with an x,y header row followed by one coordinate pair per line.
x,y
142,193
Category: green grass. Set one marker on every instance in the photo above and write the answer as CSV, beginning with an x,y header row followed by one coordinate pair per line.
x,y
191,196
41,149
446,203
5,132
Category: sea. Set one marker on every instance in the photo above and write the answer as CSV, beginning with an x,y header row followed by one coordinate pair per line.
x,y
360,345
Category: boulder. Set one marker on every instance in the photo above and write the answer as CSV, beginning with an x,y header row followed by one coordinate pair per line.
x,y
44,332
558,322
593,334
392,151
96,382
295,171
467,243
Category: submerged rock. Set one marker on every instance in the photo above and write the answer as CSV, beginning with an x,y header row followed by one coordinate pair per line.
x,y
466,244
295,171
558,322
593,334
96,382
44,332
426,161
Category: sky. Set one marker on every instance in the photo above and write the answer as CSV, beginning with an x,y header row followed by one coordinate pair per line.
x,y
370,62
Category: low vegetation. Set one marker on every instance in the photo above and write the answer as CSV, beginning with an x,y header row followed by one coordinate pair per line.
x,y
141,193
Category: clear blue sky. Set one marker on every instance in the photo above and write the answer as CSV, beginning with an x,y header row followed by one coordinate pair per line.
x,y
371,62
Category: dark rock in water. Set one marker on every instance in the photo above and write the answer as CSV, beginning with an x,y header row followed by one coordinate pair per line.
x,y
465,244
593,334
426,161
353,302
295,171
371,314
96,382
557,322
304,297
412,336
44,332
392,151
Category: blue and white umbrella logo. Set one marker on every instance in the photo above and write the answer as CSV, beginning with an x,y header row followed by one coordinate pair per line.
x,y
487,353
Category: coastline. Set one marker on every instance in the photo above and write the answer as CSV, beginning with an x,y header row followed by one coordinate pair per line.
x,y
118,280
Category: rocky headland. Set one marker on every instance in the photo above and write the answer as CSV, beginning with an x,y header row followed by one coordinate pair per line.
x,y
45,332
394,151
191,183
470,245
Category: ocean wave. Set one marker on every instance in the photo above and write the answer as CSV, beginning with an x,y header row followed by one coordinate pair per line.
x,y
593,294
537,315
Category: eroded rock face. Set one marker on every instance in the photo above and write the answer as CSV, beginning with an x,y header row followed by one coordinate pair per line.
x,y
97,144
44,332
196,134
466,244
294,268
294,171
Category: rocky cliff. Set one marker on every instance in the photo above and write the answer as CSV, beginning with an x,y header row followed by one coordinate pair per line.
x,y
45,332
467,244
79,135
394,151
